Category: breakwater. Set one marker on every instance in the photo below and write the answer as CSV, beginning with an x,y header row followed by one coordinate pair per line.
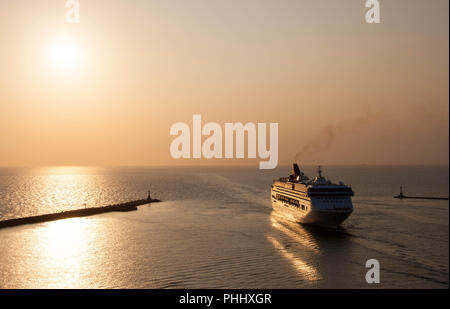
x,y
83,212
402,196
421,197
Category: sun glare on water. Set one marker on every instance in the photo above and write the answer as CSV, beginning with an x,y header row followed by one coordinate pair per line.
x,y
65,54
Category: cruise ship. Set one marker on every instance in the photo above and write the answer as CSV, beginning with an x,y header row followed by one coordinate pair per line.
x,y
315,201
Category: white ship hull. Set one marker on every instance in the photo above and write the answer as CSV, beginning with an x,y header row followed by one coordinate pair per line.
x,y
328,218
318,201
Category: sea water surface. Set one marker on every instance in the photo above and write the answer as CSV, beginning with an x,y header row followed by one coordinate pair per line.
x,y
215,229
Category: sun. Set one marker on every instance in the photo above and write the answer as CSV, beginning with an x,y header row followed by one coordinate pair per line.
x,y
65,54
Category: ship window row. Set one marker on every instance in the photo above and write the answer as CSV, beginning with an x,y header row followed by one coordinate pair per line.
x,y
300,193
288,200
291,201
333,198
323,190
289,189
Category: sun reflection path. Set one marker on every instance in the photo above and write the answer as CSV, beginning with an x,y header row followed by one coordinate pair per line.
x,y
307,271
66,188
65,237
299,235
62,245
304,269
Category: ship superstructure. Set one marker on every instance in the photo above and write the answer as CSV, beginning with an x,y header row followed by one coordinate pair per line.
x,y
315,201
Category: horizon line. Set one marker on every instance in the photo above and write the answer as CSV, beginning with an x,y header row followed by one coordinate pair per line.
x,y
217,165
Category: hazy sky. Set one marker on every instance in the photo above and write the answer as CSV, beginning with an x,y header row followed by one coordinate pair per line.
x,y
343,91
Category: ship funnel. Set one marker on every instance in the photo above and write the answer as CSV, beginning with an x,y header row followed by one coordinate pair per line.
x,y
295,170
296,175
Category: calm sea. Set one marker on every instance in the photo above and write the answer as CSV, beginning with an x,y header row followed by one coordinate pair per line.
x,y
215,229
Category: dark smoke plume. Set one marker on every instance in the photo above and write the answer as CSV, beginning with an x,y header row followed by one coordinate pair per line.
x,y
324,139
431,117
